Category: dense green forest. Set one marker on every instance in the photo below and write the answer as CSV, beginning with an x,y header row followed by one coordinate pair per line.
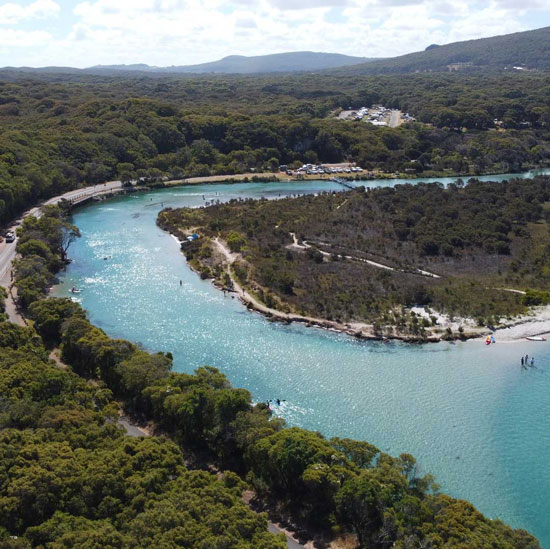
x,y
69,477
478,238
60,132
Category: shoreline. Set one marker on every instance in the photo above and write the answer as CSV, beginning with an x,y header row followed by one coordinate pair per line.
x,y
516,332
537,324
534,324
359,330
272,177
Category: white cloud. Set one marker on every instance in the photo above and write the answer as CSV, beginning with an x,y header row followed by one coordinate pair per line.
x,y
524,5
246,23
11,13
483,23
23,39
177,32
308,4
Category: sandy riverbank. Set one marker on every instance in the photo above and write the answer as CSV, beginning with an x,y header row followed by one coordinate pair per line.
x,y
259,178
536,323
359,330
236,178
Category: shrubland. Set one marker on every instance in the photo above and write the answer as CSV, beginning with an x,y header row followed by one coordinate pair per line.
x,y
480,239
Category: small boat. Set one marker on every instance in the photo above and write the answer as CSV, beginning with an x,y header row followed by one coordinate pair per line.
x,y
536,338
75,290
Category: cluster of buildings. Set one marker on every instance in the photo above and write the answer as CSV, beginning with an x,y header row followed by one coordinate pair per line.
x,y
377,115
319,169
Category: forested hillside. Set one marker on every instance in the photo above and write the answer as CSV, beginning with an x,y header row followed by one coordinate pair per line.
x,y
297,61
59,132
309,255
69,477
528,49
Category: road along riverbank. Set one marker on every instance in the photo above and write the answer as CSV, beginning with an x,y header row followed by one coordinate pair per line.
x,y
8,249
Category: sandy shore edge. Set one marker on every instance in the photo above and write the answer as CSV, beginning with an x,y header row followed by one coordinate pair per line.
x,y
534,324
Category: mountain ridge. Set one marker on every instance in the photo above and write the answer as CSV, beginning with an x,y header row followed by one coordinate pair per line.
x,y
528,49
299,61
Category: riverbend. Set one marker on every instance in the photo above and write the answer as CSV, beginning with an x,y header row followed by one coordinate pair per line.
x,y
467,412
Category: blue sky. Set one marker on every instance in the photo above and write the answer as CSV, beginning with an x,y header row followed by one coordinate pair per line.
x,y
179,32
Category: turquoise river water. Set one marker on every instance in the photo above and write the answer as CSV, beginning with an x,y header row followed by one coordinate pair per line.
x,y
466,411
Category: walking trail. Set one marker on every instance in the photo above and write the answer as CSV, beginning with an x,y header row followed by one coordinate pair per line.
x,y
305,245
249,299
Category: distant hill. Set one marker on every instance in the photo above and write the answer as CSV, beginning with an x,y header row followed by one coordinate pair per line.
x,y
299,61
530,49
42,70
141,67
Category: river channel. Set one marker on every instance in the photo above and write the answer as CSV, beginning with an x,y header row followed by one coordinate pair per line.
x,y
467,412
